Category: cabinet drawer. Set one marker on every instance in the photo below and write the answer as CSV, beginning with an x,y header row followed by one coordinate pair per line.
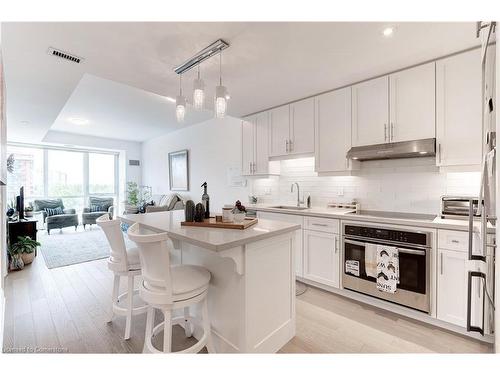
x,y
321,224
456,240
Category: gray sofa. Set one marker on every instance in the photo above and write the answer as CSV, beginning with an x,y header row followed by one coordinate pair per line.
x,y
89,217
167,202
68,219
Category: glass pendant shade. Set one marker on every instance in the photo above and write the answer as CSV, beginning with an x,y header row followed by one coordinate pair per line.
x,y
198,93
180,108
220,101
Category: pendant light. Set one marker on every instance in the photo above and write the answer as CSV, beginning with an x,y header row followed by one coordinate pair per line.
x,y
221,94
180,103
198,92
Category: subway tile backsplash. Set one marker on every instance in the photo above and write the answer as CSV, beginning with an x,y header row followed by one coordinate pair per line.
x,y
404,185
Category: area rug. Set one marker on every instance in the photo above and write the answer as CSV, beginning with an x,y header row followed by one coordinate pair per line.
x,y
68,247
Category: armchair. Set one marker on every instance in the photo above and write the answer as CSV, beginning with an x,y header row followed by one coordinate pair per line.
x,y
68,219
89,216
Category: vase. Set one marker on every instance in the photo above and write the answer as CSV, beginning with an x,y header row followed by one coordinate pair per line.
x,y
189,211
199,213
28,257
16,262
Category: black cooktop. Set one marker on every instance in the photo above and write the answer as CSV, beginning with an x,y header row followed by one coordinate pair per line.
x,y
396,215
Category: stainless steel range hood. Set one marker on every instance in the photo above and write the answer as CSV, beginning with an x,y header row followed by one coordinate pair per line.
x,y
396,150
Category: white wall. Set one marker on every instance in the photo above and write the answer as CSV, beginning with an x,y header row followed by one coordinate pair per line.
x,y
404,185
214,146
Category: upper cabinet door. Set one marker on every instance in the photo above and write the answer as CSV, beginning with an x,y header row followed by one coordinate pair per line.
x,y
458,109
302,127
261,136
412,103
370,112
333,130
279,131
247,145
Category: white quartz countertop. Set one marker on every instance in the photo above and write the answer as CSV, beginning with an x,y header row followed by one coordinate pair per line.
x,y
216,239
347,214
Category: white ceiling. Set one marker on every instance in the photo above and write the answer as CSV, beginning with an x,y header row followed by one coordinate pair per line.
x,y
267,64
115,110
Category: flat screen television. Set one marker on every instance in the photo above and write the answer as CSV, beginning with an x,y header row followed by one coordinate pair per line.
x,y
20,203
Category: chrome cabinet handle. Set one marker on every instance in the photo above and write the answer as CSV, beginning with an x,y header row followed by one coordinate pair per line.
x,y
286,142
253,167
439,151
455,241
392,132
290,143
385,132
441,255
319,225
336,246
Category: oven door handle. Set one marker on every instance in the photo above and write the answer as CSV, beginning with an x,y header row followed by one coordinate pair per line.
x,y
352,242
405,251
411,251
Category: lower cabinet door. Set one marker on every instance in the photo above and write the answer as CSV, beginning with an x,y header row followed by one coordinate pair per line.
x,y
452,287
321,257
295,219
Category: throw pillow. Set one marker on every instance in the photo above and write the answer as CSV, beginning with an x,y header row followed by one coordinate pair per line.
x,y
96,208
54,211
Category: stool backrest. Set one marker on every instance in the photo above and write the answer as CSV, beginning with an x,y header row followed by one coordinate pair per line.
x,y
118,258
154,254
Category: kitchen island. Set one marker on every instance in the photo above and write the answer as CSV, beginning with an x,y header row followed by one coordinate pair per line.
x,y
251,297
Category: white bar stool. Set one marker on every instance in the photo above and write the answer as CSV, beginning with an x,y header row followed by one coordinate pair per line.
x,y
122,262
169,288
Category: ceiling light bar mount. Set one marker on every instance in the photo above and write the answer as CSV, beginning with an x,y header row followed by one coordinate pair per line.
x,y
206,53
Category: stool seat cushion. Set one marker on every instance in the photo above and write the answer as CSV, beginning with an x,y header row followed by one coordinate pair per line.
x,y
189,278
188,281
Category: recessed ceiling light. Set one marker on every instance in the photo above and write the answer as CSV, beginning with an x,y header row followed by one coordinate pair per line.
x,y
25,122
388,31
423,152
78,120
172,100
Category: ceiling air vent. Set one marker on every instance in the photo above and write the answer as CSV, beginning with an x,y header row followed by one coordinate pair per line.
x,y
64,55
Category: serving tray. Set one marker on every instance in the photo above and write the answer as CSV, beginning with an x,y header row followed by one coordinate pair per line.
x,y
211,223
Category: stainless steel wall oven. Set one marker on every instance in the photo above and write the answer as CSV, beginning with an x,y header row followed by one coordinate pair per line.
x,y
414,248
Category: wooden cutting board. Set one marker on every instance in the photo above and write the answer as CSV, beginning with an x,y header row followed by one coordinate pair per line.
x,y
211,223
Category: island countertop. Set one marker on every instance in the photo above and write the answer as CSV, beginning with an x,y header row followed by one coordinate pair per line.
x,y
216,239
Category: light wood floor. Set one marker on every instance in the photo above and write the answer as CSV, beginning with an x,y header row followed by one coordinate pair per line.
x,y
66,309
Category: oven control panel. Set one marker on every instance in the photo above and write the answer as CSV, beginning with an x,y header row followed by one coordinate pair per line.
x,y
386,234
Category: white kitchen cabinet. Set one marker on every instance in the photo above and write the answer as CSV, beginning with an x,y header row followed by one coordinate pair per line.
x,y
458,109
255,146
333,131
247,146
370,112
295,219
291,129
412,104
452,286
322,257
261,136
302,127
279,130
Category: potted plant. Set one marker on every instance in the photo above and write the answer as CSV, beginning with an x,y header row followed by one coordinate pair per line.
x,y
24,249
132,203
28,210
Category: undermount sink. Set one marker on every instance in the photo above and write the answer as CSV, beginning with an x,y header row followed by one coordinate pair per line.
x,y
290,207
